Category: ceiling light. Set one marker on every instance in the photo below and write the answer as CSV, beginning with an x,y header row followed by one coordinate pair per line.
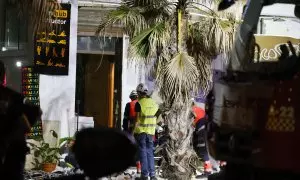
x,y
19,64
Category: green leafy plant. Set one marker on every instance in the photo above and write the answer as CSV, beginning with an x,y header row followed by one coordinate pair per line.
x,y
44,153
66,139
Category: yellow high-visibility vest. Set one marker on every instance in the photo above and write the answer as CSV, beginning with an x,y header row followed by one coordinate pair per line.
x,y
146,121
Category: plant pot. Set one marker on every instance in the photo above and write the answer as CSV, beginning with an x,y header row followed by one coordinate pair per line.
x,y
49,167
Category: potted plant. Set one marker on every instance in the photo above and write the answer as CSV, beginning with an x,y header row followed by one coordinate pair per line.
x,y
45,156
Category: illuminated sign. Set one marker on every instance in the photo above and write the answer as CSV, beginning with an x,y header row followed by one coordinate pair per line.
x,y
30,90
61,13
51,50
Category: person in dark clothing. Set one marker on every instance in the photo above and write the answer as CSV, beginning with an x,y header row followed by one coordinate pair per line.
x,y
17,116
129,121
70,158
199,141
129,113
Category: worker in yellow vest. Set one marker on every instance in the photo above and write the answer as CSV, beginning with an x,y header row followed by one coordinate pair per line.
x,y
147,111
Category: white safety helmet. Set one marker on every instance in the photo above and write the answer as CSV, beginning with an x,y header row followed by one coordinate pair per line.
x,y
142,88
133,94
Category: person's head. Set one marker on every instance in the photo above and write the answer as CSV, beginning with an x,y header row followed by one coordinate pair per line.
x,y
108,141
142,90
2,72
133,95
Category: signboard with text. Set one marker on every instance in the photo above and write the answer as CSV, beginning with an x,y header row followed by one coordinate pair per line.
x,y
51,50
270,46
30,90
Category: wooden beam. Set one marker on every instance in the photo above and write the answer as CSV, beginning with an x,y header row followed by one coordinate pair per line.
x,y
111,89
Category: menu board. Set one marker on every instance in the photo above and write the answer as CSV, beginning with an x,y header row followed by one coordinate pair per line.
x,y
51,48
30,90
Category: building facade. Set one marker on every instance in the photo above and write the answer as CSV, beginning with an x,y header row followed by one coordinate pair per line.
x,y
98,67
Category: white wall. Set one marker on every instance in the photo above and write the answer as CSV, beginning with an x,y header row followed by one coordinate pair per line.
x,y
279,10
132,75
283,27
287,25
57,93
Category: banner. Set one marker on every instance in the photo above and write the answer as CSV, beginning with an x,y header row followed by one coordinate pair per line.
x,y
30,89
270,46
51,50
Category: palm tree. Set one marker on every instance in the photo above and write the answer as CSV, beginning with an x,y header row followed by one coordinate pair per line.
x,y
181,46
37,11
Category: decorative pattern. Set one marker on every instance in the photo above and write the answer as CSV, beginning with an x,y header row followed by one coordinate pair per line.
x,y
282,112
281,119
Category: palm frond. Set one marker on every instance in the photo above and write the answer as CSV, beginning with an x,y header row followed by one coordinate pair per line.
x,y
139,3
137,15
147,4
149,41
159,11
210,35
130,18
205,41
178,78
214,35
202,9
152,9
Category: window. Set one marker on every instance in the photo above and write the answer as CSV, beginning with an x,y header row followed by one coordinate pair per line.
x,y
96,45
13,28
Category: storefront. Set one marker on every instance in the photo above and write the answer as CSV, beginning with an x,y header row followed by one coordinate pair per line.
x,y
58,97
56,93
103,68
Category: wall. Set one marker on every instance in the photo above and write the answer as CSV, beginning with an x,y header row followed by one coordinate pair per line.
x,y
57,93
279,19
286,10
2,20
132,74
281,27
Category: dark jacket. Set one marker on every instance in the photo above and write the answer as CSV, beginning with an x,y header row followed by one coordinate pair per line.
x,y
13,129
128,121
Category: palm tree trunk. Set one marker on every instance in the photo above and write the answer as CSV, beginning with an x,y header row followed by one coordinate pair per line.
x,y
179,30
179,152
